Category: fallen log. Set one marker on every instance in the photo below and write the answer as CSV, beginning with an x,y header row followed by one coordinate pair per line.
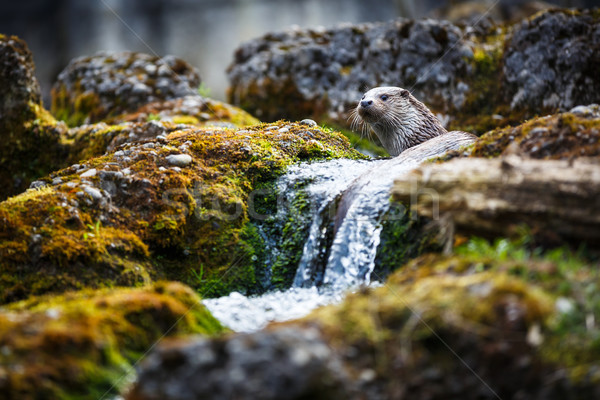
x,y
557,199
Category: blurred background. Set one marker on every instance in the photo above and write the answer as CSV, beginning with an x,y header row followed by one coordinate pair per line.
x,y
206,32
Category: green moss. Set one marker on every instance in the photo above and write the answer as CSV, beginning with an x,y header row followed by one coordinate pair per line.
x,y
404,236
158,222
559,136
367,145
484,108
206,112
487,301
30,148
83,345
292,237
77,111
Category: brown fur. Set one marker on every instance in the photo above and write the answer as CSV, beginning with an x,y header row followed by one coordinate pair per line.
x,y
399,120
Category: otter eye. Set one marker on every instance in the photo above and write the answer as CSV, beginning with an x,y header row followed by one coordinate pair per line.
x,y
383,97
362,98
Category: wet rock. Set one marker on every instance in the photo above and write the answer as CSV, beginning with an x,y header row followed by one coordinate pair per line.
x,y
83,345
94,88
283,364
550,62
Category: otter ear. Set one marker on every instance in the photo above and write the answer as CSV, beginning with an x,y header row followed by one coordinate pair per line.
x,y
404,93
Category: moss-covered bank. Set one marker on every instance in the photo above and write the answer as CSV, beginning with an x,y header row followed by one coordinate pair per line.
x,y
82,345
173,207
504,319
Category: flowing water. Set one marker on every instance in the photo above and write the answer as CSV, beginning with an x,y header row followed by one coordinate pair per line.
x,y
349,200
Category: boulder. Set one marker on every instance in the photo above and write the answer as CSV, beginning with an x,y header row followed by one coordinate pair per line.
x,y
568,135
551,62
286,363
192,110
91,89
323,73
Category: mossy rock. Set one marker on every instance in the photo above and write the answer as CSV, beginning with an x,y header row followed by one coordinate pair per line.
x,y
107,84
191,110
445,323
31,139
560,136
492,320
173,207
567,135
83,345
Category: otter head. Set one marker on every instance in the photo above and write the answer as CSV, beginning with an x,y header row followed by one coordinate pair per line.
x,y
398,119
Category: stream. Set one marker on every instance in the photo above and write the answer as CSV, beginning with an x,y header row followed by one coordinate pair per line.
x,y
351,197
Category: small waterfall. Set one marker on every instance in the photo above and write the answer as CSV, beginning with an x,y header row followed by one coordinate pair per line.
x,y
325,193
349,200
352,256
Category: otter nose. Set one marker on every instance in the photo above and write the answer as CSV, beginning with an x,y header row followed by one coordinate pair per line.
x,y
366,103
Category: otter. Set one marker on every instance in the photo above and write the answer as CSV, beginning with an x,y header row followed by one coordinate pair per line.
x,y
400,121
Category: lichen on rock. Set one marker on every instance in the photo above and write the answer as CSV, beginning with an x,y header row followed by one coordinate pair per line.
x,y
322,73
191,110
550,62
474,77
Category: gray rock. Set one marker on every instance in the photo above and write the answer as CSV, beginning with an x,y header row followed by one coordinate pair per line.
x,y
122,82
308,122
307,72
93,192
89,173
180,160
289,363
37,184
551,62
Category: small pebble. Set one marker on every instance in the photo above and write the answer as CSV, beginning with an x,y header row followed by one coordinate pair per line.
x,y
95,193
89,173
308,122
37,184
180,160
